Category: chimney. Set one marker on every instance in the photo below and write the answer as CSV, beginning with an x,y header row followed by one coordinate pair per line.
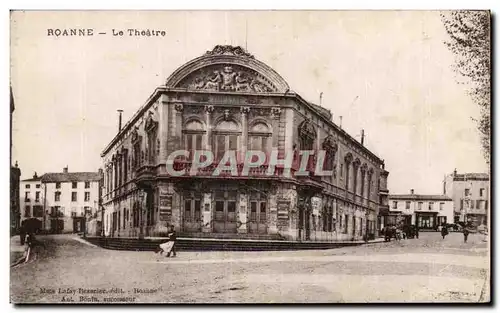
x,y
455,172
119,120
65,170
412,191
35,176
340,122
362,136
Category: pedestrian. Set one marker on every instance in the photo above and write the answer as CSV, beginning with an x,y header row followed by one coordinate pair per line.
x,y
416,231
169,246
444,231
466,234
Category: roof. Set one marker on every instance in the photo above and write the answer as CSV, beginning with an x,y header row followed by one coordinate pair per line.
x,y
419,197
32,179
472,176
70,177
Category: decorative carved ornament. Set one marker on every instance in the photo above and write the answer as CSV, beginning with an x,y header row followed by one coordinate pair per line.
x,y
179,107
348,158
209,109
330,144
275,113
244,110
307,130
356,163
151,124
227,115
364,168
225,77
229,50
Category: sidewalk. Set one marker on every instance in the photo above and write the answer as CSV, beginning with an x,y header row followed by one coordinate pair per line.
x,y
16,250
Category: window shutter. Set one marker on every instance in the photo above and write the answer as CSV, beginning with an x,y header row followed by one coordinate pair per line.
x,y
461,204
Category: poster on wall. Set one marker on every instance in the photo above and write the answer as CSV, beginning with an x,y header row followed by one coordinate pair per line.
x,y
283,209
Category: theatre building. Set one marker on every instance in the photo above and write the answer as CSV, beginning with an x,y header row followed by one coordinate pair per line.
x,y
228,100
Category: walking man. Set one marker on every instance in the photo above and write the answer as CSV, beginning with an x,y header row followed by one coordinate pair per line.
x,y
466,234
444,231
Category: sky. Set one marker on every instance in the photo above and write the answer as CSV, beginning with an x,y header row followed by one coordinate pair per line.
x,y
387,72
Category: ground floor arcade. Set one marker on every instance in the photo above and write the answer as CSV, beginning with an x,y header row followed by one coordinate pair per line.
x,y
237,209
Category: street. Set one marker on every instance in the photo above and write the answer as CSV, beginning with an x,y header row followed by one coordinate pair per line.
x,y
428,269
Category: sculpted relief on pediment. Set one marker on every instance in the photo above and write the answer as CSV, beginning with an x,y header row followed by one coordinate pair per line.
x,y
223,77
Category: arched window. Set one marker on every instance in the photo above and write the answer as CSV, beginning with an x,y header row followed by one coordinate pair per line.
x,y
194,132
348,160
259,137
363,176
355,175
225,138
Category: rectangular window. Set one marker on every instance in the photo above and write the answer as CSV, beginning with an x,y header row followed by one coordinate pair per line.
x,y
408,205
57,196
27,196
74,185
394,205
37,185
441,206
73,196
219,210
420,204
87,185
481,192
27,211
253,211
431,206
37,196
87,196
187,210
58,185
197,210
263,212
482,205
87,210
28,186
467,192
37,211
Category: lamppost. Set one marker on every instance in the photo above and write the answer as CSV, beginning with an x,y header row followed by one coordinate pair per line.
x,y
141,215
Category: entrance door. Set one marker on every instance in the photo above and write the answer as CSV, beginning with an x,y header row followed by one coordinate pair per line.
x,y
258,217
225,212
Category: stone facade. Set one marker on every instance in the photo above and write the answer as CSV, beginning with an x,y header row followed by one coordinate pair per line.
x,y
225,100
470,193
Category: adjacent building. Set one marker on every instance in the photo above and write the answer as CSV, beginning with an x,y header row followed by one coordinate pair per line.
x,y
62,202
228,100
470,193
15,175
427,212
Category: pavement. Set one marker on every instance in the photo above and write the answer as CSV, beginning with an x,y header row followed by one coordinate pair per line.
x,y
428,269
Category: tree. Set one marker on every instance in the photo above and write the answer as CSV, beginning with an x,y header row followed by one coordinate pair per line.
x,y
469,40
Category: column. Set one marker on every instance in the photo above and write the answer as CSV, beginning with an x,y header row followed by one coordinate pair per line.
x,y
179,108
163,127
242,214
273,214
244,135
208,121
275,124
207,213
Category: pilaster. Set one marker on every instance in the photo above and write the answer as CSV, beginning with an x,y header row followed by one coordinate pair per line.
x,y
207,213
242,214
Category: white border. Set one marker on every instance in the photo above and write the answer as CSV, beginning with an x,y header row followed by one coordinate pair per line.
x,y
193,5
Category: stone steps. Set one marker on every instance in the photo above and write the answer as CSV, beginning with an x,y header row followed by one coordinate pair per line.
x,y
215,244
